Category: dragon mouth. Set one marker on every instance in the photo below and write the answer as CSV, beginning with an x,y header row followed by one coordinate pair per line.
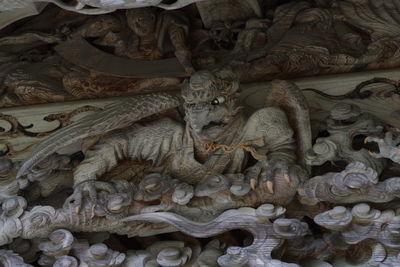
x,y
371,146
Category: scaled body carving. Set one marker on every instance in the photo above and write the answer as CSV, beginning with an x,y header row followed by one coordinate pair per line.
x,y
218,159
217,139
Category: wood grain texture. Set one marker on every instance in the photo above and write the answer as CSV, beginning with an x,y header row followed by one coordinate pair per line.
x,y
382,105
81,53
385,108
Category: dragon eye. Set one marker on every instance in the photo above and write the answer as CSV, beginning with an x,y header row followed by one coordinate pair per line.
x,y
218,100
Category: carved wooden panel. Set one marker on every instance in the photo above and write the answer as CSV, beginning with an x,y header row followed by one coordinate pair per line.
x,y
220,133
379,98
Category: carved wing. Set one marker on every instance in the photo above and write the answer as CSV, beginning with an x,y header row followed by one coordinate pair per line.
x,y
380,18
115,116
289,97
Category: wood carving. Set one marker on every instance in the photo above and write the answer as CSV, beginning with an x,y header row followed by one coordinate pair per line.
x,y
259,43
183,162
96,7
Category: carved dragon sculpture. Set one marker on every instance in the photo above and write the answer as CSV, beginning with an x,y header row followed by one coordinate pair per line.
x,y
217,138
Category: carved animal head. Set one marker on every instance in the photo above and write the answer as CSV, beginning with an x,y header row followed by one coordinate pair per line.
x,y
210,104
142,21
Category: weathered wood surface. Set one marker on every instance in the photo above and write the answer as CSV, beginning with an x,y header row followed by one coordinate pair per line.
x,y
78,51
212,11
381,104
35,116
22,10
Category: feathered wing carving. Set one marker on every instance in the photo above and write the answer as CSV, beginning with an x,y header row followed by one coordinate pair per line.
x,y
114,116
289,97
380,18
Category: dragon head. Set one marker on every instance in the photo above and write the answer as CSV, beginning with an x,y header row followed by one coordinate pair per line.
x,y
210,104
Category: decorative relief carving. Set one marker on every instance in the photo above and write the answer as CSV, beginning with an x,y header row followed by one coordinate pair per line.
x,y
357,183
146,49
64,119
140,181
345,123
176,192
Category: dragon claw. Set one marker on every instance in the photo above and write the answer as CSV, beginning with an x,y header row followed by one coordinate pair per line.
x,y
253,184
287,178
270,186
93,213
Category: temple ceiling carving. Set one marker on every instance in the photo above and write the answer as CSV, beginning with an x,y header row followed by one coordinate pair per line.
x,y
199,133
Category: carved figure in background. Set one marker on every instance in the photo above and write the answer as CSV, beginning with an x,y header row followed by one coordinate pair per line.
x,y
253,35
149,35
152,33
9,186
217,138
30,76
335,37
362,222
283,52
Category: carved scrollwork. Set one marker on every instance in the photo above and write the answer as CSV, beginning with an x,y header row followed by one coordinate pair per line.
x,y
99,255
17,129
183,193
356,183
153,186
210,254
9,259
64,119
343,125
60,244
158,169
11,228
212,186
357,93
265,233
362,222
66,261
